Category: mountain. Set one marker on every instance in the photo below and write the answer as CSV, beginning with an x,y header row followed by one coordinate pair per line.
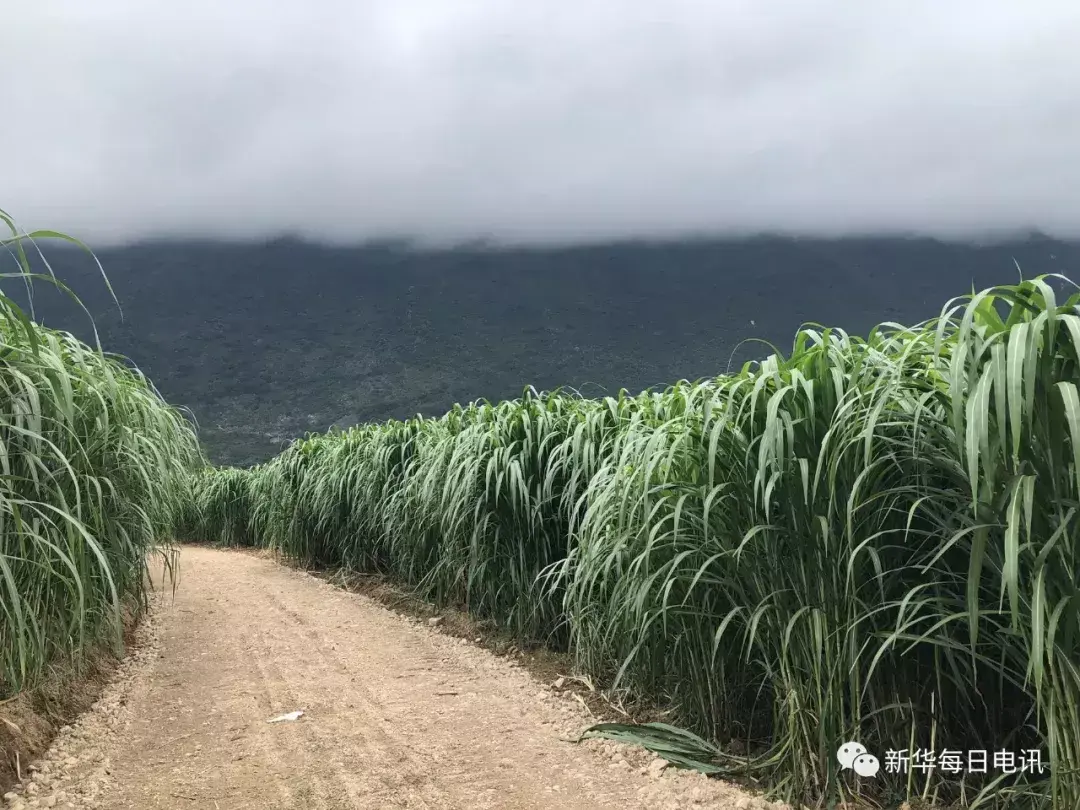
x,y
267,341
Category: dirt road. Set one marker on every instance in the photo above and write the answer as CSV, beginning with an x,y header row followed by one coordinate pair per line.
x,y
396,714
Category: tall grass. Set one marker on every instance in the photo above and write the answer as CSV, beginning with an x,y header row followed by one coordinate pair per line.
x,y
94,470
867,539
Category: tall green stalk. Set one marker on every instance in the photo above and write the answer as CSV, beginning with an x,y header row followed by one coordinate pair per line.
x,y
94,470
869,539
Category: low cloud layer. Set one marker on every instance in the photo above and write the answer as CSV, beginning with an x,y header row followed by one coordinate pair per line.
x,y
556,121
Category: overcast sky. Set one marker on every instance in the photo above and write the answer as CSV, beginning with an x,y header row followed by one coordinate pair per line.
x,y
556,120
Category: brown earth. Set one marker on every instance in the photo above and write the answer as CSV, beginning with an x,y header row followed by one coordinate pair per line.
x,y
30,719
396,714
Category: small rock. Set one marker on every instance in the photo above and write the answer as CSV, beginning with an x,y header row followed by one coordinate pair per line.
x,y
477,640
559,683
49,802
435,621
11,798
656,768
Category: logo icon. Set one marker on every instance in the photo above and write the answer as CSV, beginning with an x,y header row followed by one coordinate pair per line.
x,y
853,755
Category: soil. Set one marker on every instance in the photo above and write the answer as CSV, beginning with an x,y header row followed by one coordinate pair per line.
x,y
549,666
30,719
396,713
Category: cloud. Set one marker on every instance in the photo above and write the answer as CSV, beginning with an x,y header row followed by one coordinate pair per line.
x,y
547,122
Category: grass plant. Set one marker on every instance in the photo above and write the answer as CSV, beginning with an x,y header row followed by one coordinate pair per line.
x,y
871,539
94,474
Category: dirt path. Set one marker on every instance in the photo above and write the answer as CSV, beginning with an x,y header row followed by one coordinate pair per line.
x,y
396,714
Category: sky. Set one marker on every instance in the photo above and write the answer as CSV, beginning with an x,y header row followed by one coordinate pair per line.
x,y
551,122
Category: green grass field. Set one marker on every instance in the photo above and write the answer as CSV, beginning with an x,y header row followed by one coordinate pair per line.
x,y
866,539
869,539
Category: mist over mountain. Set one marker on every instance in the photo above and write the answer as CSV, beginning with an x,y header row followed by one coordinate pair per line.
x,y
264,342
539,125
